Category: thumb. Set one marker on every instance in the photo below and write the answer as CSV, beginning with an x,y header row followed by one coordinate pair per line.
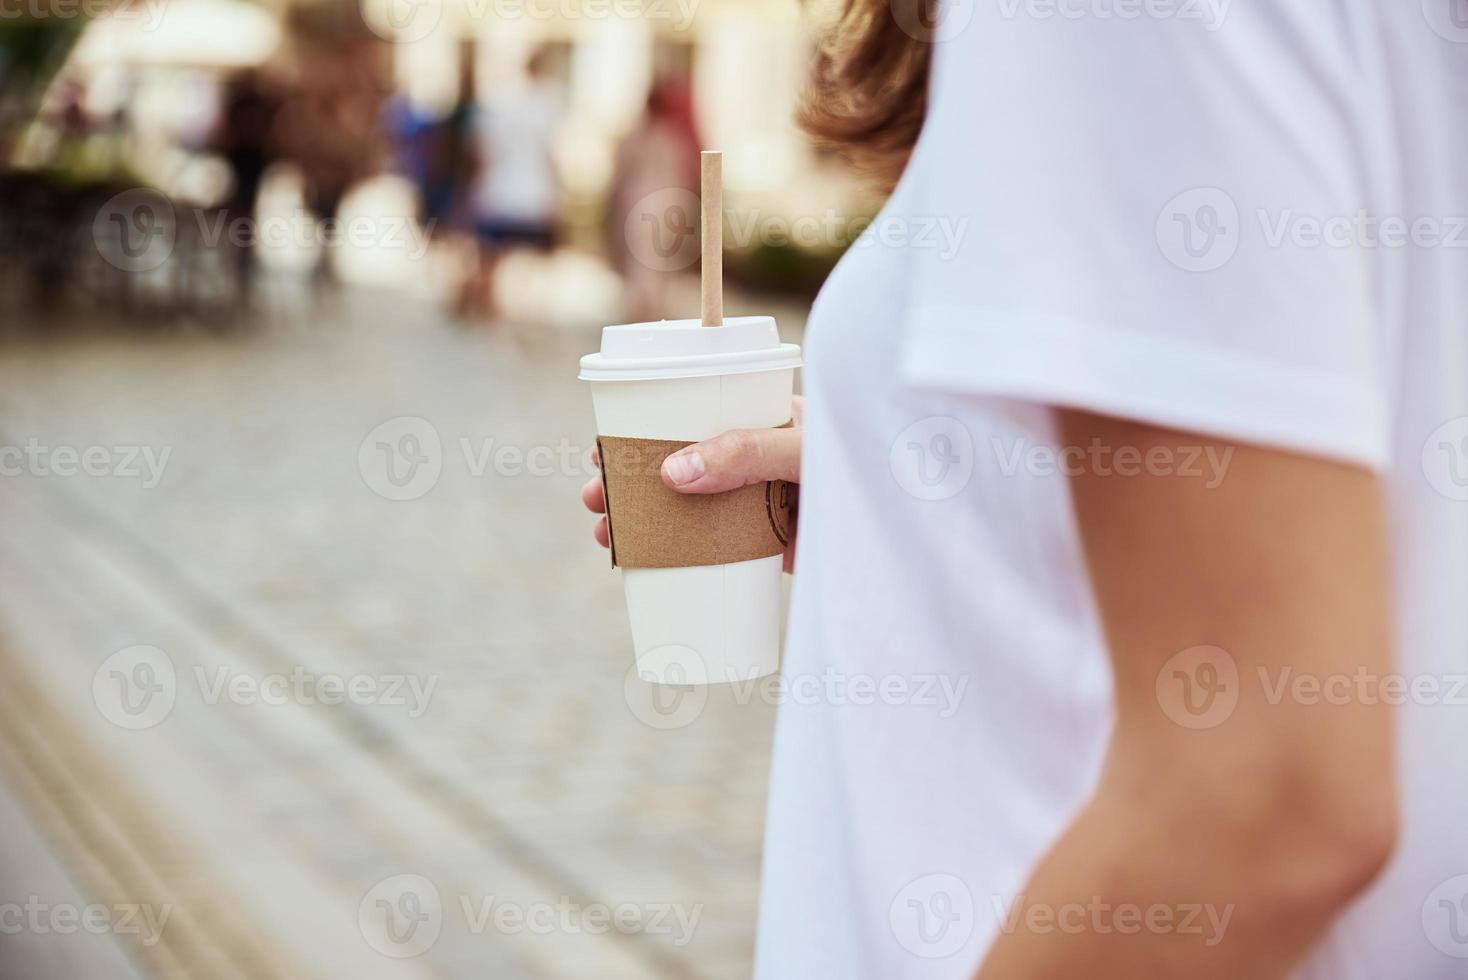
x,y
733,460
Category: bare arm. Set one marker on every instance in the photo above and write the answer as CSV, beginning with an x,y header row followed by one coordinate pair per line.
x,y
1267,813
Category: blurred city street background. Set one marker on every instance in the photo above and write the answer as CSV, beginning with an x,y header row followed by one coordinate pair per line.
x,y
311,666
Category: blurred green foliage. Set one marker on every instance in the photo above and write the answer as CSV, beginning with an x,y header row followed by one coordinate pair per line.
x,y
33,48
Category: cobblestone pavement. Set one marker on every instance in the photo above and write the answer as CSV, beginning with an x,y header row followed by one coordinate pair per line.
x,y
484,794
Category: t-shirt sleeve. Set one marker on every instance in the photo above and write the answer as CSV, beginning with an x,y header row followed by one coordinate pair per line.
x,y
1158,219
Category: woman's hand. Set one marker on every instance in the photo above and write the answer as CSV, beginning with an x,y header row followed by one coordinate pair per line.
x,y
726,462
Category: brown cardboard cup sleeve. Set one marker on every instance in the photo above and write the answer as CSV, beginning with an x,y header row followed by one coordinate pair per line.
x,y
651,526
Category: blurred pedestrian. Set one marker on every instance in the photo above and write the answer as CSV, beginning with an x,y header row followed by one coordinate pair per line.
x,y
332,128
450,163
516,195
246,137
659,154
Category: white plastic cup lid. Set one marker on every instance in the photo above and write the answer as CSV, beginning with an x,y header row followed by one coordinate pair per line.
x,y
688,349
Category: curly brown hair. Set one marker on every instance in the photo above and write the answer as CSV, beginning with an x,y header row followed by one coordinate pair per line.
x,y
868,93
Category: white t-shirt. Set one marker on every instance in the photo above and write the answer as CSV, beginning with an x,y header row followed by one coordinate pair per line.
x,y
1255,229
516,136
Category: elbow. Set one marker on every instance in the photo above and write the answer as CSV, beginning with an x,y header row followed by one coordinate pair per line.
x,y
1296,840
1307,846
1344,846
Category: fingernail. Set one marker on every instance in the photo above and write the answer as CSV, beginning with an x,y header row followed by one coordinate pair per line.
x,y
683,467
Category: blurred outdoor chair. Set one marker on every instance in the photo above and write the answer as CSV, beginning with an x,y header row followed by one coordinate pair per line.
x,y
69,246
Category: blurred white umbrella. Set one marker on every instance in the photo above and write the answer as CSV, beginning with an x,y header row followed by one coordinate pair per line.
x,y
201,33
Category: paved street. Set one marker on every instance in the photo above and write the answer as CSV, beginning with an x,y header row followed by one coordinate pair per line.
x,y
336,733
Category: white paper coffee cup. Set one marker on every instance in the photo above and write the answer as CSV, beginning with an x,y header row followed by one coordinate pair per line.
x,y
679,380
